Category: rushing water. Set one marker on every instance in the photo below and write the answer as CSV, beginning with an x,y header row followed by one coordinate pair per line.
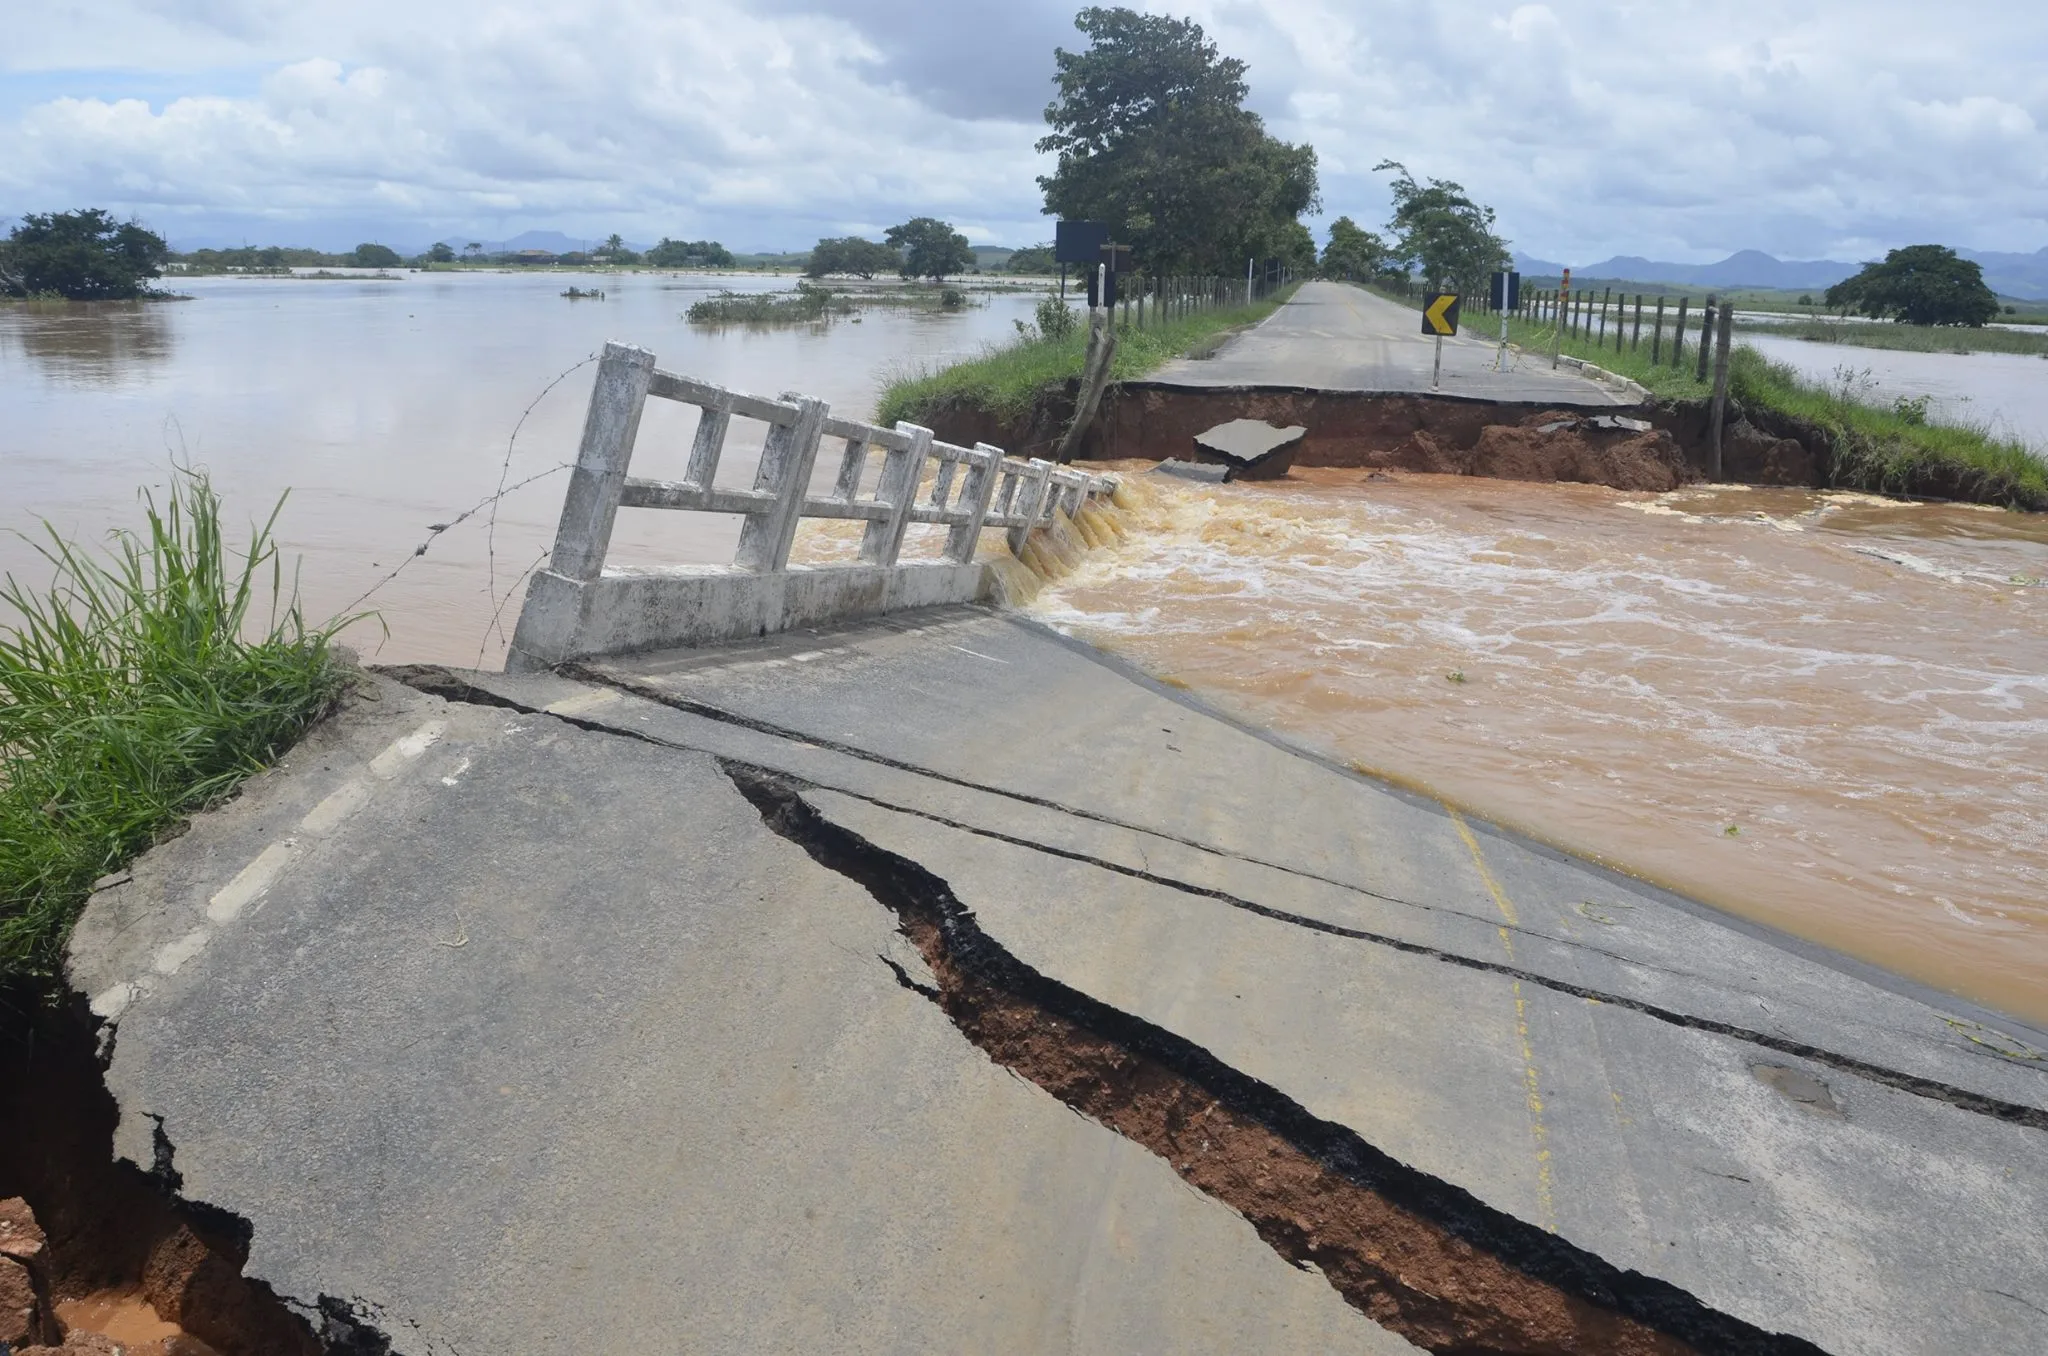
x,y
1826,712
1854,687
386,407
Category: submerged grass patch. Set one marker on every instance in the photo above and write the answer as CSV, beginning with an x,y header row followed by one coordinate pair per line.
x,y
141,685
1006,380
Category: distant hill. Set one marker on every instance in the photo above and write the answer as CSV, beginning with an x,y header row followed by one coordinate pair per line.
x,y
2010,275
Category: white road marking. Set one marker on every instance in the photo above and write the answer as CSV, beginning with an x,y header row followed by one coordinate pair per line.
x,y
581,702
327,816
404,750
253,879
171,957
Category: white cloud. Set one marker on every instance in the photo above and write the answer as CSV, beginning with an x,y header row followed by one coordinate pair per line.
x,y
1680,129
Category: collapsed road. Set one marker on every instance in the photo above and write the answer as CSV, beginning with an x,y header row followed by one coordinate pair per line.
x,y
934,983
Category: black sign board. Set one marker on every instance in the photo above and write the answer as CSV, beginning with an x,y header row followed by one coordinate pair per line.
x,y
1507,291
1079,242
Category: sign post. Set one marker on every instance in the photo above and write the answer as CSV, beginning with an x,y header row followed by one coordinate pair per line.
x,y
1564,308
1440,318
1507,295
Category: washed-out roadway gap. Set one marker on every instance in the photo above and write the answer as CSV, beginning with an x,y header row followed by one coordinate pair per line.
x,y
1441,1297
445,683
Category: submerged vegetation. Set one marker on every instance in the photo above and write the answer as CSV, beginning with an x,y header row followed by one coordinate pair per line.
x,y
1006,380
143,684
811,304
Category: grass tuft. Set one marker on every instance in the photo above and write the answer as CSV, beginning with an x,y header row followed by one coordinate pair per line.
x,y
1006,380
138,687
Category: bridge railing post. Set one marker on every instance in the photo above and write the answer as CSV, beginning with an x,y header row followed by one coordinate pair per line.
x,y
1030,502
902,469
983,470
591,505
786,461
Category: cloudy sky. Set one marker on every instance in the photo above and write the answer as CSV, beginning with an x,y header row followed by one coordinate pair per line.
x,y
1676,129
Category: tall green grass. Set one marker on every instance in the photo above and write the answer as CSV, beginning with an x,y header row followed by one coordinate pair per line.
x,y
140,685
1894,449
1008,379
1885,449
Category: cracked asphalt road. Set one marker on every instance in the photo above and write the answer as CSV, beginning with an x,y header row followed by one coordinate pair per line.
x,y
528,1031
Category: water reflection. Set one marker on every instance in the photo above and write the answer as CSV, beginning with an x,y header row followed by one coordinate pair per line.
x,y
89,343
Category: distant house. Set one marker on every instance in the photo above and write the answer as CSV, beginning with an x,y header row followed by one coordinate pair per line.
x,y
533,257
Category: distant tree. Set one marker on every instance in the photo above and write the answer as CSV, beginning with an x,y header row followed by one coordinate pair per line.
x,y
441,253
1152,138
1354,252
1442,233
689,254
930,248
375,256
1920,285
84,255
851,255
1037,259
1806,298
614,251
473,250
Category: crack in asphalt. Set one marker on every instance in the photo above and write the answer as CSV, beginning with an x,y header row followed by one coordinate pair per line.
x,y
1419,1255
443,683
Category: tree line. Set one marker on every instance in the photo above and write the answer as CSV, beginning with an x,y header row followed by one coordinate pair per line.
x,y
1149,136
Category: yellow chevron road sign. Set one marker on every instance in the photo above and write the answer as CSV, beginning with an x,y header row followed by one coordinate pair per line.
x,y
1440,317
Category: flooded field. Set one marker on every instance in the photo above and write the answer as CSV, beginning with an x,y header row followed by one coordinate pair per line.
x,y
386,407
1824,712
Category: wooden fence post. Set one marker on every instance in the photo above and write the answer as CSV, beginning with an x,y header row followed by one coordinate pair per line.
x,y
1723,332
592,503
1604,296
1706,338
1678,335
1657,335
1636,339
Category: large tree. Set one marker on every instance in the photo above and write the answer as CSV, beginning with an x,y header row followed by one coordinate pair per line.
x,y
1153,139
84,255
931,248
1439,231
851,255
689,254
1354,252
1920,285
375,256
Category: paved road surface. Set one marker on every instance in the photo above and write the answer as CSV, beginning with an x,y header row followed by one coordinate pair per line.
x,y
527,1031
1336,337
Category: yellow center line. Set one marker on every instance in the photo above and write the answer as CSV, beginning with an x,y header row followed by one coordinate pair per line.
x,y
1546,1198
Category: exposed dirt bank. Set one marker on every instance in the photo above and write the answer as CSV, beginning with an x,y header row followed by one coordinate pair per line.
x,y
121,1248
1427,433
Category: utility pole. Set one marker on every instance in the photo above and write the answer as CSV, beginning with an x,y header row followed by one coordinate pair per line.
x,y
1564,296
1249,264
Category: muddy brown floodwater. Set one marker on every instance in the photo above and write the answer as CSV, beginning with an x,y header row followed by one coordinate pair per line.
x,y
1824,712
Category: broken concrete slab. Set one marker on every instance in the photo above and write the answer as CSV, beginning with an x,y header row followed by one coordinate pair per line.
x,y
640,962
552,1041
1191,470
1250,449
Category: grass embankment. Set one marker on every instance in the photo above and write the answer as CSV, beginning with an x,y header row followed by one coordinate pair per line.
x,y
1007,380
139,687
1912,338
1884,449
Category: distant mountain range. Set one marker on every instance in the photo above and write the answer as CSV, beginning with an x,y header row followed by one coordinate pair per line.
x,y
2010,275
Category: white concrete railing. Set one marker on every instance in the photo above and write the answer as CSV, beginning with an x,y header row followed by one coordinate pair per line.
x,y
577,608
